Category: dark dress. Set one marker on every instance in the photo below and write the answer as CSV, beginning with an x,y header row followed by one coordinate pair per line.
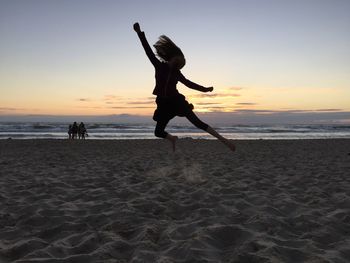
x,y
170,102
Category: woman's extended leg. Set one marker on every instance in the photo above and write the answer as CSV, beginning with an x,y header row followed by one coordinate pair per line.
x,y
201,125
161,133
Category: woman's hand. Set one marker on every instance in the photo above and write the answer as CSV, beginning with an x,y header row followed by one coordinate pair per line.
x,y
210,89
137,28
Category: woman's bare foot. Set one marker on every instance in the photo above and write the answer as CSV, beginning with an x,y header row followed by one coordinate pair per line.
x,y
230,145
225,141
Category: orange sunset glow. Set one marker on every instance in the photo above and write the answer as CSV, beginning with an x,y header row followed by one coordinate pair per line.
x,y
91,63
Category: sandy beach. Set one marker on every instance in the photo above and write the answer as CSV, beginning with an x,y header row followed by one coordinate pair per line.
x,y
136,201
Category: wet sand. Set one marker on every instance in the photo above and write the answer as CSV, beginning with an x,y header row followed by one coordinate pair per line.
x,y
136,201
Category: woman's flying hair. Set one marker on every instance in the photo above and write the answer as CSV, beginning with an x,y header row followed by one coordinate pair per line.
x,y
166,49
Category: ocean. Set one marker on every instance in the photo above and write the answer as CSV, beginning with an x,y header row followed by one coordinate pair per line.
x,y
58,130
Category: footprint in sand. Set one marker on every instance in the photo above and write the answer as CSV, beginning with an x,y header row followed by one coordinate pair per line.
x,y
193,173
182,168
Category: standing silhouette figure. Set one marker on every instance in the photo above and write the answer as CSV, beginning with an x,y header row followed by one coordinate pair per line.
x,y
74,130
170,102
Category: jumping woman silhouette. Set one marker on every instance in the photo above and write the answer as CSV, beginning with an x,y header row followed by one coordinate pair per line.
x,y
170,102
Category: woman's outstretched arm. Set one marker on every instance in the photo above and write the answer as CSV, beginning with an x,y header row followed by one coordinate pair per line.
x,y
146,46
193,85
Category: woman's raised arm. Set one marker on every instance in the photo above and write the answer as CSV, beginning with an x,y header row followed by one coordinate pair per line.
x,y
146,46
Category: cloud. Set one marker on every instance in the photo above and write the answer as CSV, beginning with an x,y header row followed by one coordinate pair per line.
x,y
110,97
130,107
208,103
84,99
89,107
317,110
215,95
235,88
11,109
328,110
286,112
246,103
140,102
255,111
216,109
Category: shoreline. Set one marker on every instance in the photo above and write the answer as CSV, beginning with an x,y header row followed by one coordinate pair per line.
x,y
180,138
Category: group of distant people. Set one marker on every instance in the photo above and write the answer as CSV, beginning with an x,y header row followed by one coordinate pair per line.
x,y
76,131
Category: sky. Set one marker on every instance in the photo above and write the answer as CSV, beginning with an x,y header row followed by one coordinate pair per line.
x,y
263,57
